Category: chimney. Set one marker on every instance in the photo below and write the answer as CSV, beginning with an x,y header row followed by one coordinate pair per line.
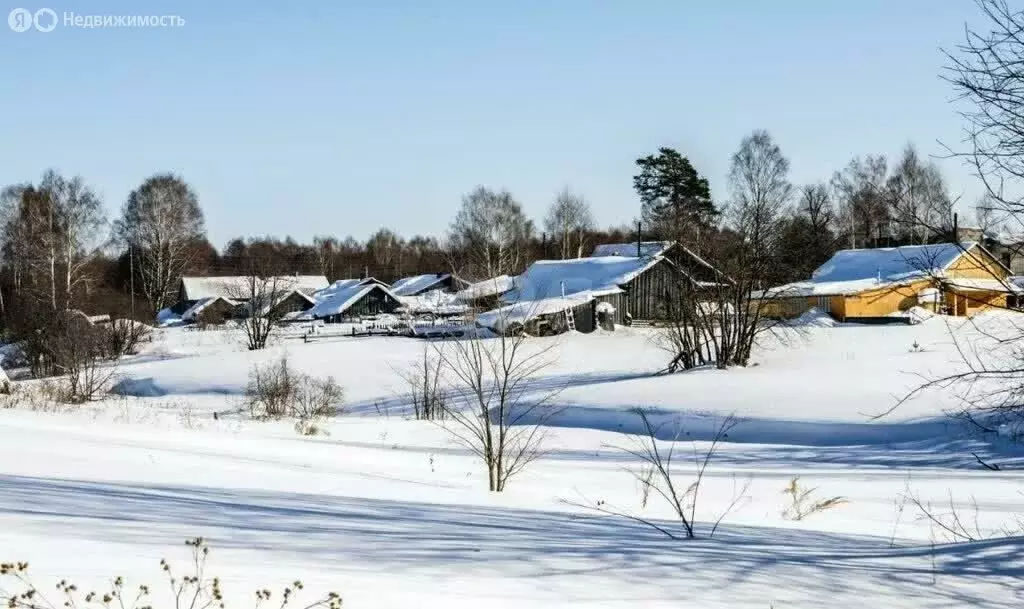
x,y
639,239
956,228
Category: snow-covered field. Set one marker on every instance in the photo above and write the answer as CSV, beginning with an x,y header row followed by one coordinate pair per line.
x,y
392,513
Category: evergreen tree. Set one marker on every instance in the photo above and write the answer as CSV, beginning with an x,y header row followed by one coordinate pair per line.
x,y
676,200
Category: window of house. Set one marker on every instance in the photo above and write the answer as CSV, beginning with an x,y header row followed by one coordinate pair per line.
x,y
825,303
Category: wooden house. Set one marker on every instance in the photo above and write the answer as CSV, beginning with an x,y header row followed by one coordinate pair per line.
x,y
214,310
352,299
192,290
607,289
883,283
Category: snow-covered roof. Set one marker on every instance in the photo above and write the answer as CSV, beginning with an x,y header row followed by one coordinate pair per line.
x,y
889,264
495,286
596,276
438,302
192,312
853,271
520,312
648,249
410,286
338,299
198,288
988,285
277,298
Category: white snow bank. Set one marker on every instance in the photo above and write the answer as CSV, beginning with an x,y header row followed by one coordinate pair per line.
x,y
815,317
138,387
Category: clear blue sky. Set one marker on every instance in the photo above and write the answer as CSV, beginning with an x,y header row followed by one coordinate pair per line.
x,y
339,117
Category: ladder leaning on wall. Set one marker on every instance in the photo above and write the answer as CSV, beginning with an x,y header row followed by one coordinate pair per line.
x,y
570,317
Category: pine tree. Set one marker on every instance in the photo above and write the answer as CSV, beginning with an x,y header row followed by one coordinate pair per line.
x,y
676,200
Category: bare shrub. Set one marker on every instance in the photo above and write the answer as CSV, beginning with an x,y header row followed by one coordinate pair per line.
x,y
802,502
123,336
193,590
46,395
952,524
276,391
659,476
493,411
424,381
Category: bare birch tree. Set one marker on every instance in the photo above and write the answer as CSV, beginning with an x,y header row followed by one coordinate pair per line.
x,y
860,193
489,235
161,222
493,409
759,181
568,220
919,204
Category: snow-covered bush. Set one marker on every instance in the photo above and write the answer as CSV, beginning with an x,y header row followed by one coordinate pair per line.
x,y
277,391
191,590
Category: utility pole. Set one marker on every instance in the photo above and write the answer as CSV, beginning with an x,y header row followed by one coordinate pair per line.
x,y
131,278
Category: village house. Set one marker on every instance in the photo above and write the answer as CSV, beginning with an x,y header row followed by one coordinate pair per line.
x,y
884,283
432,294
351,299
615,286
211,311
238,289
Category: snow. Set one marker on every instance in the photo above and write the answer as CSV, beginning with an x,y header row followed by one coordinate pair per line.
x,y
853,271
438,302
889,264
597,276
494,286
520,312
410,286
605,307
393,513
167,317
991,285
198,288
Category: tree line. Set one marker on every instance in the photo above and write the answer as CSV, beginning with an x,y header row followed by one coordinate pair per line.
x,y
60,250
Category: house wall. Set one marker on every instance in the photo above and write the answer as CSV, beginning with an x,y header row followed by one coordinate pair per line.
x,y
645,294
785,308
216,313
976,264
884,301
291,304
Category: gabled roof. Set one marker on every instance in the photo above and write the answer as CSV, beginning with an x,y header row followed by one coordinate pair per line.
x,y
237,286
859,270
410,286
341,284
889,264
648,249
597,276
337,300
